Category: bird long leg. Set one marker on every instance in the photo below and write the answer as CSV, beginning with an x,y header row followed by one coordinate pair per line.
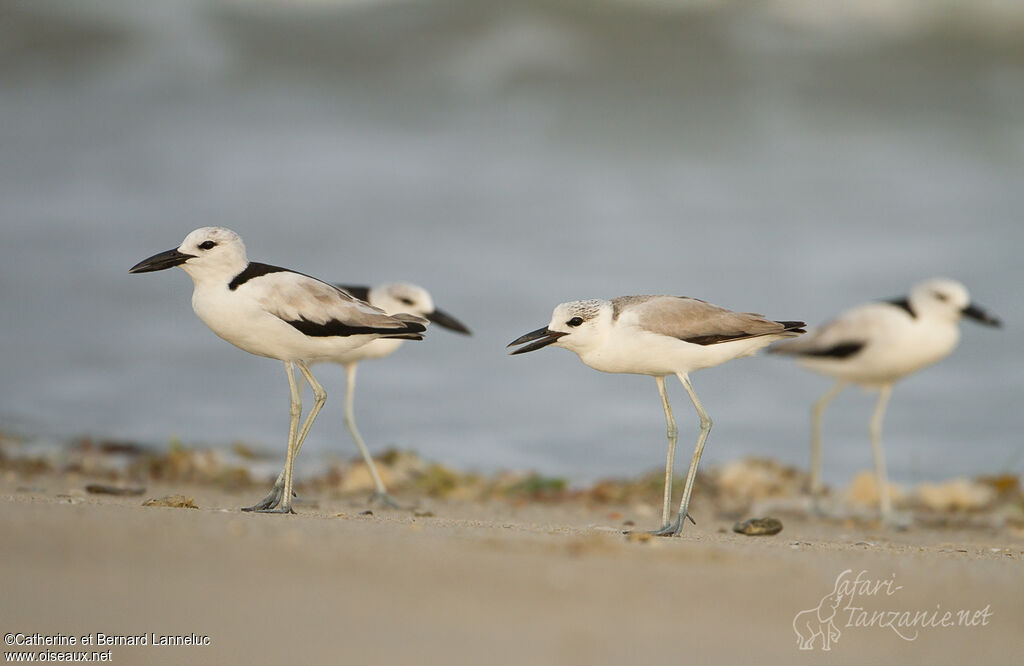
x,y
279,499
816,416
294,412
319,398
673,437
296,439
881,476
380,493
676,526
273,498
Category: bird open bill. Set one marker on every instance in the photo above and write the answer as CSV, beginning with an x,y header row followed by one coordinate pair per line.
x,y
543,337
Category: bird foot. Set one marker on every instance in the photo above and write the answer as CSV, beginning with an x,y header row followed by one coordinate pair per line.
x,y
671,529
280,509
272,499
384,499
259,507
674,528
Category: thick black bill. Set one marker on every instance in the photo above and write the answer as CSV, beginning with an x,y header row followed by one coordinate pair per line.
x,y
543,338
162,261
442,318
980,316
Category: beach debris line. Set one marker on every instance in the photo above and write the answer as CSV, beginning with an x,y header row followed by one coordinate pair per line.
x,y
733,491
103,489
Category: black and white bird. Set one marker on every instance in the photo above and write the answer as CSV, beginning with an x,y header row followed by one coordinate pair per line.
x,y
280,314
877,344
659,336
392,298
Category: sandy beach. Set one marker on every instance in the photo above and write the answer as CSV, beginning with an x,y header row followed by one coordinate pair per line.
x,y
469,582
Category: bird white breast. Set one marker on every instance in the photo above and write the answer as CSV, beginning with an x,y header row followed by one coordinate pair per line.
x,y
240,321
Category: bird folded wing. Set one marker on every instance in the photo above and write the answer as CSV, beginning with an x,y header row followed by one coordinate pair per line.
x,y
698,322
359,291
294,297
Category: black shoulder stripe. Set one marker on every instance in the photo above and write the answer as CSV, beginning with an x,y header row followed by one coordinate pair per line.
x,y
902,302
842,350
362,293
334,328
254,270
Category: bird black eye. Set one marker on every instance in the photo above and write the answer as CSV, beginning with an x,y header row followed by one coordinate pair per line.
x,y
207,245
941,296
575,321
407,301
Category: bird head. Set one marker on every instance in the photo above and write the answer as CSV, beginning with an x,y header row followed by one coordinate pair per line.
x,y
576,326
206,252
947,299
397,297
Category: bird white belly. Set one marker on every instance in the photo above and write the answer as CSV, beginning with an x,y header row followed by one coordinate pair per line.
x,y
254,330
652,354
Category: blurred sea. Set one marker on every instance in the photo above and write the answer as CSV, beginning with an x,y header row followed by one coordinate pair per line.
x,y
511,156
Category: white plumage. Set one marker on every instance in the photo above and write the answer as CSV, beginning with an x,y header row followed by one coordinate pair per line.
x,y
877,344
659,336
277,313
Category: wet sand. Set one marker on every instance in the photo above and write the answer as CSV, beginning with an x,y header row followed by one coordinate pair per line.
x,y
496,582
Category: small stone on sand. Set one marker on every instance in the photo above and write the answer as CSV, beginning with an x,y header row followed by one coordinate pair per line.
x,y
758,527
174,501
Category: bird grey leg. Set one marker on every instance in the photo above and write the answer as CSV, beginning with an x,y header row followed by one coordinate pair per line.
x,y
319,398
284,502
380,493
676,526
277,492
673,437
816,416
272,500
296,440
881,476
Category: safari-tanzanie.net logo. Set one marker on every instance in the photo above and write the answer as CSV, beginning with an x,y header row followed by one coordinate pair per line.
x,y
858,601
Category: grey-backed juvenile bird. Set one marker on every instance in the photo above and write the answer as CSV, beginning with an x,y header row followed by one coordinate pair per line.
x,y
659,336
